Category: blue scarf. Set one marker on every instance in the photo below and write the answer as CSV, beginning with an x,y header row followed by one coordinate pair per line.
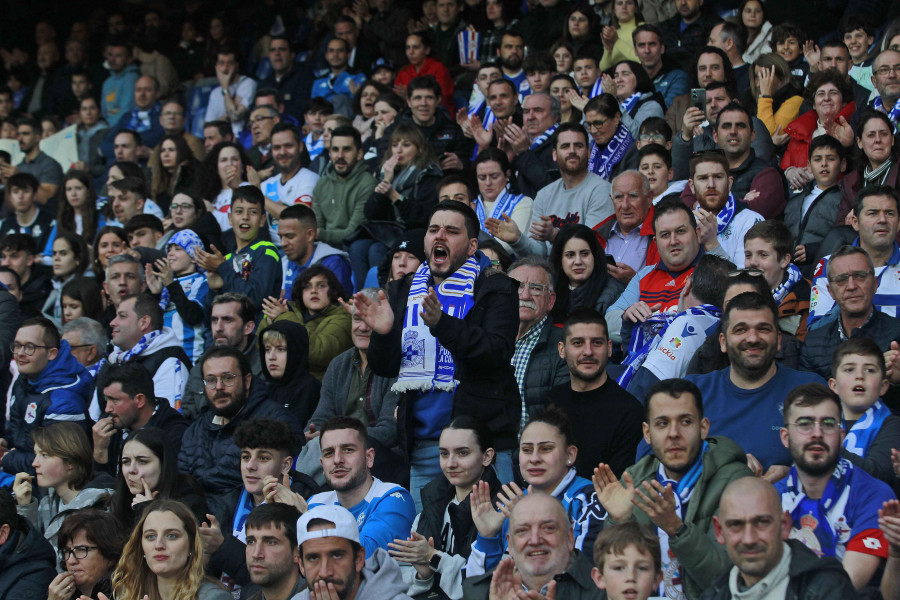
x,y
860,437
486,122
793,277
241,512
190,242
543,137
597,89
726,214
629,103
685,488
506,203
894,115
602,161
142,120
647,335
815,521
425,365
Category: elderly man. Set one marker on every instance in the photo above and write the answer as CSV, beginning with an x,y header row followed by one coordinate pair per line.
x,y
143,118
171,119
262,120
536,360
542,557
293,80
88,341
629,237
530,147
886,79
754,530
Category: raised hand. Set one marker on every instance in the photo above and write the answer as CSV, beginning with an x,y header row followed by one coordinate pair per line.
x,y
709,227
146,496
152,277
543,229
102,432
22,488
813,55
211,535
61,587
377,314
209,260
640,311
691,123
164,271
622,272
508,498
282,493
273,307
842,131
487,521
431,309
615,497
889,523
415,550
505,581
766,81
658,503
575,99
503,228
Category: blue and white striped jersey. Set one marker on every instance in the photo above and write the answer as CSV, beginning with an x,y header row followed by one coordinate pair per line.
x,y
190,336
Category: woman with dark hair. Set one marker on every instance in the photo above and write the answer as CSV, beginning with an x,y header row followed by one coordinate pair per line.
x,y
582,31
581,276
165,552
285,352
111,240
776,94
364,108
831,96
564,55
877,162
70,260
497,254
759,30
81,297
220,173
171,170
188,211
612,145
466,458
387,107
500,16
418,52
560,84
90,546
64,465
496,196
637,97
148,470
315,305
77,212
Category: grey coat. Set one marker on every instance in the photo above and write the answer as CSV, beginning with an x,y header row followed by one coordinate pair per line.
x,y
809,231
546,369
682,150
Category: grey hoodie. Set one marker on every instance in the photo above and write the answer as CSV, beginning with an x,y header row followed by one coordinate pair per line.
x,y
381,580
48,515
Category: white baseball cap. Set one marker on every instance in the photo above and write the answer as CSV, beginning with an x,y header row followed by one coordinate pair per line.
x,y
344,524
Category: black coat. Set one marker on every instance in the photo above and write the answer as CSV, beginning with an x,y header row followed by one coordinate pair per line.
x,y
546,370
297,391
821,342
172,422
536,168
27,563
482,345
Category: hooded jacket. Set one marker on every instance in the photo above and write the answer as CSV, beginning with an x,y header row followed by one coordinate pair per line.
x,y
700,556
341,201
208,451
329,334
59,393
117,96
48,514
27,563
381,580
297,391
419,193
336,261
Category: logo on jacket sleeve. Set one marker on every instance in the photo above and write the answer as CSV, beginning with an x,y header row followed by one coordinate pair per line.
x,y
31,412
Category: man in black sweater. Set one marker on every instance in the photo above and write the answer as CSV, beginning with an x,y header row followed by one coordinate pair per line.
x,y
606,420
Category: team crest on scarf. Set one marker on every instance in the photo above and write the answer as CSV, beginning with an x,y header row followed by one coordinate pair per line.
x,y
413,350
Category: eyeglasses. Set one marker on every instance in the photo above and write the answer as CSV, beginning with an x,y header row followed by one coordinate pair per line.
x,y
80,346
844,278
646,138
806,425
535,289
181,207
887,70
172,114
28,349
227,380
747,271
260,119
596,124
78,551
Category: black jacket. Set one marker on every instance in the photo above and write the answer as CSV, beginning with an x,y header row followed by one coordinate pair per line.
x,y
419,196
208,451
683,45
821,342
546,370
27,563
536,168
573,584
295,88
35,291
482,345
811,578
444,135
297,391
172,422
10,317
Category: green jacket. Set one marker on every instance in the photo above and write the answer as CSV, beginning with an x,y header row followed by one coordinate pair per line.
x,y
329,334
701,557
340,202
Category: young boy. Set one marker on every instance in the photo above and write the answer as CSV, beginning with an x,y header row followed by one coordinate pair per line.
x,y
144,231
18,252
788,40
858,377
254,268
384,72
27,217
622,550
655,162
858,34
181,290
655,130
810,212
317,110
538,67
587,75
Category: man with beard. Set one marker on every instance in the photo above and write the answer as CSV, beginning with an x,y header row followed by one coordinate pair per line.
x,y
606,420
382,511
130,404
852,283
723,219
448,331
292,80
334,563
677,488
876,218
542,557
512,53
833,503
272,554
503,108
291,184
577,197
208,451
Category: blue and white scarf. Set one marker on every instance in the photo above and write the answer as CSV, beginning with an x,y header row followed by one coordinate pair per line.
x,y
647,335
241,512
629,103
726,215
190,242
425,365
118,357
860,437
142,120
602,161
543,137
487,122
823,514
793,276
506,203
893,115
597,89
314,147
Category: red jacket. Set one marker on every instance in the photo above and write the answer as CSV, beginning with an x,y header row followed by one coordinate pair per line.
x,y
431,66
801,130
602,231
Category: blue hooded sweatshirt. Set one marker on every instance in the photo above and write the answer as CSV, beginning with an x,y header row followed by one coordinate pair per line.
x,y
118,93
61,392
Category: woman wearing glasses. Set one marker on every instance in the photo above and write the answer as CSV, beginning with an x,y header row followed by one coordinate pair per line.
x,y
90,545
612,146
188,211
64,466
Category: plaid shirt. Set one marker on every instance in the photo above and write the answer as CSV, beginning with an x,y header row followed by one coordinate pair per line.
x,y
524,347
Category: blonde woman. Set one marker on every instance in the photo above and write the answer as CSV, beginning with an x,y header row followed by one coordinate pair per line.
x,y
163,558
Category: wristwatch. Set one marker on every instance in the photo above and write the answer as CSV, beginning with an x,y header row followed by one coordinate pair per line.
x,y
435,560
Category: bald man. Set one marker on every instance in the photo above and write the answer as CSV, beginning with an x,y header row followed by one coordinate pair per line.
x,y
754,531
629,237
541,545
142,118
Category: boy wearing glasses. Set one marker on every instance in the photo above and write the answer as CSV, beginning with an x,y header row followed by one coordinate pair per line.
x,y
833,504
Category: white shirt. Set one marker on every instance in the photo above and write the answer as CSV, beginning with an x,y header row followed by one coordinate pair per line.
x,y
296,190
